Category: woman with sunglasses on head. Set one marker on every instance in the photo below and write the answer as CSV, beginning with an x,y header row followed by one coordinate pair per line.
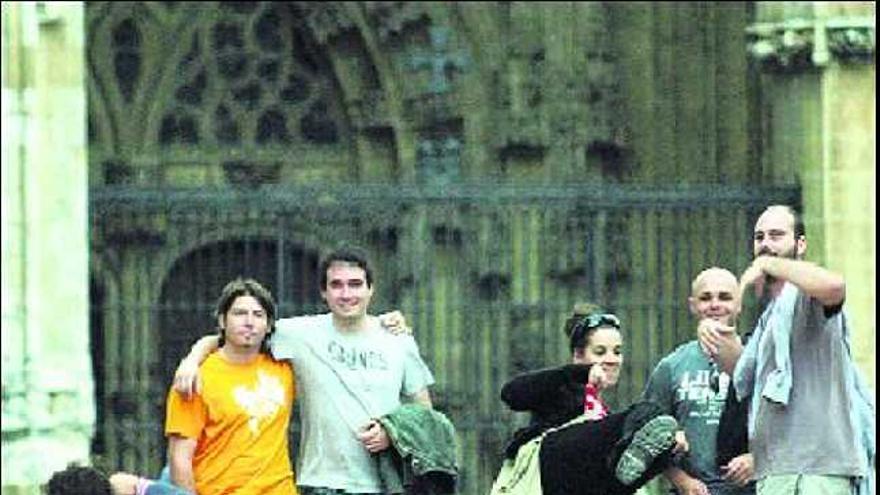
x,y
600,452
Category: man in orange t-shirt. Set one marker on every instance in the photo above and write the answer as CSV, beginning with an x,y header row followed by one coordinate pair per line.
x,y
232,438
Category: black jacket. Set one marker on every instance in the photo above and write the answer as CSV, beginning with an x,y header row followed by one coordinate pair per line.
x,y
581,459
733,427
553,396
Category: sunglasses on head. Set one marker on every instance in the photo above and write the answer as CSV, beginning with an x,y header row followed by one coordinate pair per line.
x,y
591,321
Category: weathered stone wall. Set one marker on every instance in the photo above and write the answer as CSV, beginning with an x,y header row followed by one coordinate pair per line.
x,y
48,411
817,111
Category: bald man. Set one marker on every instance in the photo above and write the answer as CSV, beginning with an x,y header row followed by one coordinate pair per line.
x,y
690,387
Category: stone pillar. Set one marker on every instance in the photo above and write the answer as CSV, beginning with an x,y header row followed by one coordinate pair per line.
x,y
818,118
48,407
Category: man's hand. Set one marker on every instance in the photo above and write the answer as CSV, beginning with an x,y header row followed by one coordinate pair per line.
x,y
187,380
123,483
684,483
740,469
681,443
688,485
720,343
374,438
710,331
755,275
394,323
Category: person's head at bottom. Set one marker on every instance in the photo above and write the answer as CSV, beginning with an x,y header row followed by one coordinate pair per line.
x,y
78,480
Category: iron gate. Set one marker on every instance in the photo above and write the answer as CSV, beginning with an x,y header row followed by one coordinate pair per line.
x,y
486,275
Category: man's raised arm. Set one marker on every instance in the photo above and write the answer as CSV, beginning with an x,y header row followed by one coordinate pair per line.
x,y
817,282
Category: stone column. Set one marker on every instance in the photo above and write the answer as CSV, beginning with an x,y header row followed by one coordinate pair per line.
x,y
48,409
817,110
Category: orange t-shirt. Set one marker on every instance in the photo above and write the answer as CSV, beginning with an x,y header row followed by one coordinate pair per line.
x,y
240,421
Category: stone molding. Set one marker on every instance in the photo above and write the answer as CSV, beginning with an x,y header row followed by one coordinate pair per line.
x,y
390,18
50,13
800,44
327,20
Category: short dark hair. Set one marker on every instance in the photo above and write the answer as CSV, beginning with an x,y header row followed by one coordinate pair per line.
x,y
246,287
78,480
347,254
800,230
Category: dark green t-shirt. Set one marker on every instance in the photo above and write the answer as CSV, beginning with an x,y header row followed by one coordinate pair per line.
x,y
690,388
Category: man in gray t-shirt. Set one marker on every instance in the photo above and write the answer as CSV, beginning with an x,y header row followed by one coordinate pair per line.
x,y
796,369
813,433
346,379
349,373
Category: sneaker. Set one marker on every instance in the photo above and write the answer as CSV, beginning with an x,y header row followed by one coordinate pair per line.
x,y
654,438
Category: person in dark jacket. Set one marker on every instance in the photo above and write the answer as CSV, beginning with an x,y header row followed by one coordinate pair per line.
x,y
608,453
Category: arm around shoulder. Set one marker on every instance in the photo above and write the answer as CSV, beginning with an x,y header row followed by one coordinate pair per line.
x,y
203,348
186,376
683,482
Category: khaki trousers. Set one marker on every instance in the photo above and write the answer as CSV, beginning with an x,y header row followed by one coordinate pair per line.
x,y
804,484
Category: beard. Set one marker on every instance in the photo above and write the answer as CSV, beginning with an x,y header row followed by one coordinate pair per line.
x,y
790,254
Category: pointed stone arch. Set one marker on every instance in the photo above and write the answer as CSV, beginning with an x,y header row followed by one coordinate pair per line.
x,y
223,90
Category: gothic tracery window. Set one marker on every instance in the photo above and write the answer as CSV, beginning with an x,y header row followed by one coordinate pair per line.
x,y
127,56
193,79
240,77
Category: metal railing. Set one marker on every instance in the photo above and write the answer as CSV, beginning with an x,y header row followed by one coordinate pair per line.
x,y
485,273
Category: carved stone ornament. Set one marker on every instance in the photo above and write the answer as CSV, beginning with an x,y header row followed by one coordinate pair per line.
x,y
370,111
799,44
852,42
389,18
326,19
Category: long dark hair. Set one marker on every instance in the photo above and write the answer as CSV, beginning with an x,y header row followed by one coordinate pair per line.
x,y
246,287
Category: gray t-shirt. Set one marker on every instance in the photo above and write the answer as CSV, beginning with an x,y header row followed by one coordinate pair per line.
x,y
682,384
343,381
814,433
